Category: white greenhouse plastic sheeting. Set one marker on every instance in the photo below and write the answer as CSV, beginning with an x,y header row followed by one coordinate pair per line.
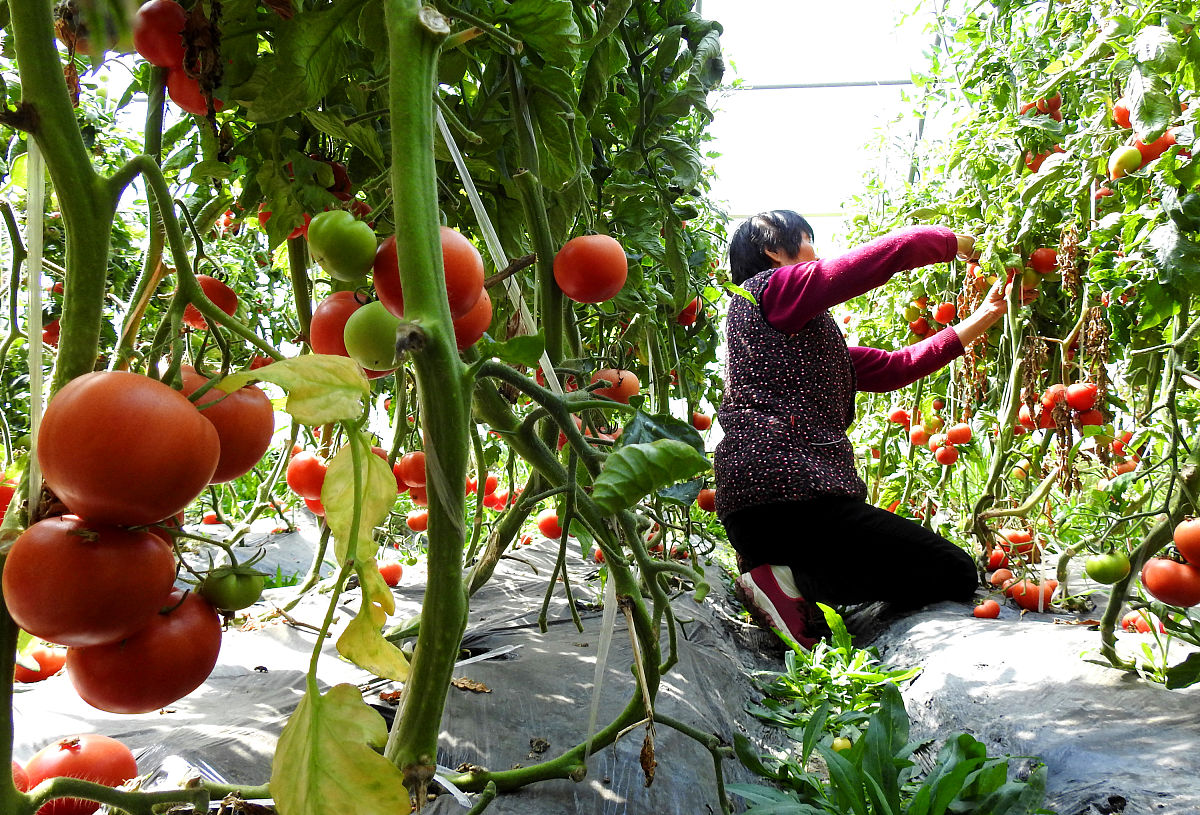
x,y
1019,684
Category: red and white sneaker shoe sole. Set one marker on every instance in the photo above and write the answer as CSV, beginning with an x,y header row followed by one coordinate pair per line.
x,y
755,587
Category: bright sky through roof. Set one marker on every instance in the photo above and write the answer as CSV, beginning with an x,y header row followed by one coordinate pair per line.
x,y
803,149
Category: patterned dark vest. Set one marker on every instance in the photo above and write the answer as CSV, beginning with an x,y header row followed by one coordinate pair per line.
x,y
789,400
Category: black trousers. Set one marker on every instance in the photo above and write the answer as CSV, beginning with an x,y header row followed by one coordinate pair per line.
x,y
844,551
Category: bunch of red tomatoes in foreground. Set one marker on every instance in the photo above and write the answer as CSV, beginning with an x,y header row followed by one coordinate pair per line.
x,y
124,454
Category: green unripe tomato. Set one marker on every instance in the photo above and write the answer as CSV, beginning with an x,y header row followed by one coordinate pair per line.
x,y
1107,568
370,336
1123,161
911,313
345,247
231,590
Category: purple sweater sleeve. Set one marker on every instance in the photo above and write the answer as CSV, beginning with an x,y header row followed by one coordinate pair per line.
x,y
880,371
798,293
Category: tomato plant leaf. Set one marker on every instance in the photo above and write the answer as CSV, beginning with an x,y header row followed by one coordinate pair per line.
x,y
321,388
644,428
682,494
547,27
636,470
376,493
1175,255
358,134
1157,49
1185,674
309,55
524,350
362,641
748,755
328,759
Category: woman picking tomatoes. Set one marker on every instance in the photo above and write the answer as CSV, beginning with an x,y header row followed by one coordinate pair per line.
x,y
788,493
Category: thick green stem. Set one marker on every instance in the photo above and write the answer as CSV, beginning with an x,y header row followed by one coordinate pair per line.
x,y
415,34
549,294
89,209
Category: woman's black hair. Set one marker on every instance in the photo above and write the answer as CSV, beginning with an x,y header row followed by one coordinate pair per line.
x,y
777,230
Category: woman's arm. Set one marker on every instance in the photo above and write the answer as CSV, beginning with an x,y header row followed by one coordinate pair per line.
x,y
880,371
798,293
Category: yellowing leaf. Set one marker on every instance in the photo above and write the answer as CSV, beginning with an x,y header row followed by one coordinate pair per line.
x,y
362,642
325,761
321,388
377,493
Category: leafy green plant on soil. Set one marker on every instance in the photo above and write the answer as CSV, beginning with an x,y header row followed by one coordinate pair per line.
x,y
839,701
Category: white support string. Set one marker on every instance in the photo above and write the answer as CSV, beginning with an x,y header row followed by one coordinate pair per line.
x,y
527,325
492,241
36,196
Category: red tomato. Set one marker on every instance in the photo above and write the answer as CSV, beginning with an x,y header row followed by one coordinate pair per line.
x,y
462,264
707,500
959,433
89,756
418,496
1171,582
210,518
75,583
222,296
919,326
1120,113
688,315
1000,576
418,520
1054,394
997,559
8,488
315,507
898,415
1155,148
20,779
391,570
1090,417
412,468
244,421
327,329
591,268
306,475
160,664
49,658
470,327
598,556
547,523
490,482
1187,539
701,421
918,436
501,498
1044,260
158,33
1140,622
945,313
936,442
1031,596
118,447
946,455
1082,396
185,92
622,384
51,332
988,610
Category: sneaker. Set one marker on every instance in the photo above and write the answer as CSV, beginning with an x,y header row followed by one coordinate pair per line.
x,y
770,595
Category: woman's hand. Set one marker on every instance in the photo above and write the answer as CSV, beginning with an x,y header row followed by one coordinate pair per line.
x,y
966,247
989,312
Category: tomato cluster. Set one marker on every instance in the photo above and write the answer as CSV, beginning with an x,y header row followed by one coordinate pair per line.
x,y
122,452
158,35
